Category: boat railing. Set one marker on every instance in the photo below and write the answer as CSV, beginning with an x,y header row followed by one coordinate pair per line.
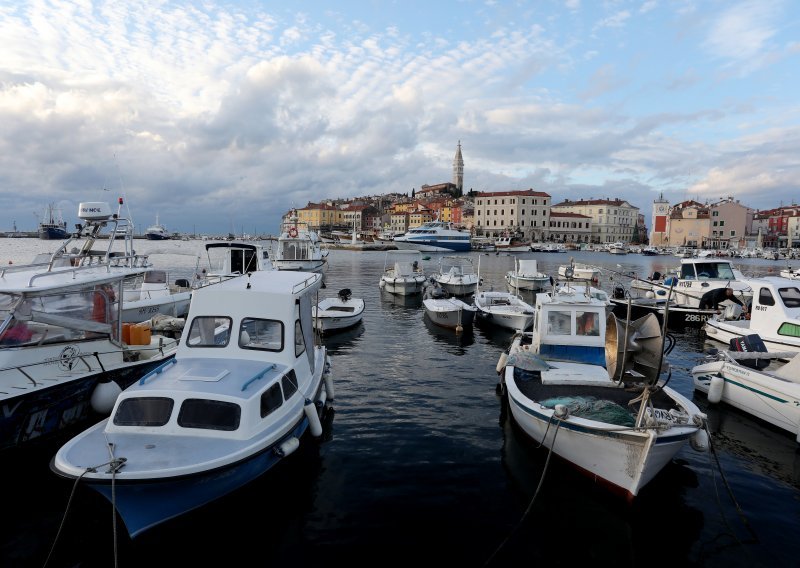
x,y
307,283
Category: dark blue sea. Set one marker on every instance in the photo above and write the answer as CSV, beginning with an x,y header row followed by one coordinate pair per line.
x,y
420,464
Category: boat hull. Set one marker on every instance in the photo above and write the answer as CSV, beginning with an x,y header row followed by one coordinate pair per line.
x,y
433,245
448,314
143,505
767,398
46,412
157,237
53,233
328,319
677,318
625,460
403,286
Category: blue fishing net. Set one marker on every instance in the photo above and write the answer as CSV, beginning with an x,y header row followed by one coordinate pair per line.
x,y
592,408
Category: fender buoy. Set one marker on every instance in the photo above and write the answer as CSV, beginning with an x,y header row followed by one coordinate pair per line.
x,y
293,232
715,390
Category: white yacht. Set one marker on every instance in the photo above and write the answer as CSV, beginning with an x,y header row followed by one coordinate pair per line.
x,y
435,236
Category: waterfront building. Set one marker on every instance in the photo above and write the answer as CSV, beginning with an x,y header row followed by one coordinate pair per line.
x,y
570,227
525,212
613,220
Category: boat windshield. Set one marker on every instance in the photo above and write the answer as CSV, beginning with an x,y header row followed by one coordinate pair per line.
x,y
68,316
790,297
707,270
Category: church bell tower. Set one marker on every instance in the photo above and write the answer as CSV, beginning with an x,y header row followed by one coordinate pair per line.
x,y
458,170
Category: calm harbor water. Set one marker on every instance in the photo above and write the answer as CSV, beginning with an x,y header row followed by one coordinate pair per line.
x,y
421,464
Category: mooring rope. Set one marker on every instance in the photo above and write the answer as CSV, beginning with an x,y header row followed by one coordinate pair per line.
x,y
535,493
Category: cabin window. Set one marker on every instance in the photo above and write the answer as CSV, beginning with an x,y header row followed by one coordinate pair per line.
x,y
209,414
789,329
299,342
209,331
587,323
706,270
271,400
765,297
144,411
559,323
261,334
289,384
790,297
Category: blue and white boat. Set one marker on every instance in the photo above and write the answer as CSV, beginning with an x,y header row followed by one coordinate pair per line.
x,y
589,391
435,236
247,385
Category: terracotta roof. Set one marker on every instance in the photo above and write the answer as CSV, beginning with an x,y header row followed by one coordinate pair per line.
x,y
616,202
565,214
524,192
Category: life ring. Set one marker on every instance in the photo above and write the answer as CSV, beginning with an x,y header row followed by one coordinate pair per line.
x,y
293,232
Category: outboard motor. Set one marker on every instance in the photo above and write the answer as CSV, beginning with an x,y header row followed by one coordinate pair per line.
x,y
619,293
750,344
656,276
345,294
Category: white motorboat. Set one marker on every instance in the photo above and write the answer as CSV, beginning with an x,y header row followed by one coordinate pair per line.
x,y
774,316
435,236
526,276
298,247
790,273
452,313
685,289
63,353
227,259
157,232
504,309
402,272
741,378
456,275
338,313
579,272
587,390
618,248
248,386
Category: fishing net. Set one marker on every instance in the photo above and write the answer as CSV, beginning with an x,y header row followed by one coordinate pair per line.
x,y
591,408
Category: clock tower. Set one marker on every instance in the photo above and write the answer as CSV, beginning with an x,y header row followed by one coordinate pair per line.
x,y
659,236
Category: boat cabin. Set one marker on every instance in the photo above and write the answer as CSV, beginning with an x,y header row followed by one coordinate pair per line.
x,y
775,311
570,326
700,275
234,366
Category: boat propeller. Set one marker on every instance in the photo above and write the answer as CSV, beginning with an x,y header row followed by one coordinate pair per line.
x,y
638,348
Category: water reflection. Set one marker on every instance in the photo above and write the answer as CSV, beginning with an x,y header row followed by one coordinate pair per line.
x,y
449,338
345,340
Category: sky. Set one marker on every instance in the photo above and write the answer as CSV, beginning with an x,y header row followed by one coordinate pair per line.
x,y
219,117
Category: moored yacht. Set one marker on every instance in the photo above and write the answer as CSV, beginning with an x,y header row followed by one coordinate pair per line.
x,y
435,236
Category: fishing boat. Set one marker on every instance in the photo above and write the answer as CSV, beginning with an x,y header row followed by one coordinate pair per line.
x,y
157,232
588,389
338,313
579,272
64,351
247,387
511,243
299,247
402,273
746,376
434,236
51,225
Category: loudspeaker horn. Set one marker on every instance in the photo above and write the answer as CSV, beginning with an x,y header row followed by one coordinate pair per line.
x,y
644,346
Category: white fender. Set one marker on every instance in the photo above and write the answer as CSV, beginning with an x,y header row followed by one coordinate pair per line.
x,y
287,447
314,425
329,385
104,396
501,362
699,441
715,390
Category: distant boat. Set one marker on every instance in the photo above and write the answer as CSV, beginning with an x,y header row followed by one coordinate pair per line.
x,y
157,232
14,233
52,226
435,236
